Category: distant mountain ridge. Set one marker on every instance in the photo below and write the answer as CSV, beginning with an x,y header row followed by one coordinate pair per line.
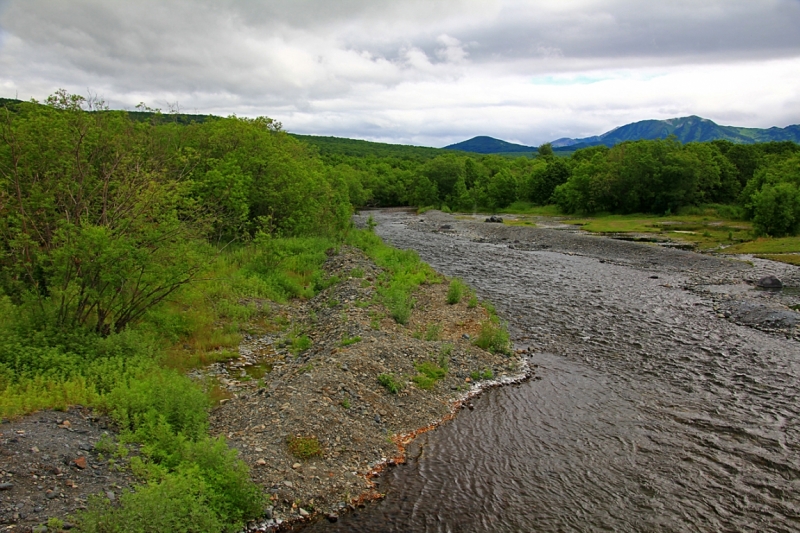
x,y
489,145
686,129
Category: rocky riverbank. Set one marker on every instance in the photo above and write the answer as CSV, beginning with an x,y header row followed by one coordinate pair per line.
x,y
52,461
328,397
313,422
731,282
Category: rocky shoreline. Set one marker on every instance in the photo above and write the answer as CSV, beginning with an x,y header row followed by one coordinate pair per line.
x,y
730,281
330,393
327,394
312,419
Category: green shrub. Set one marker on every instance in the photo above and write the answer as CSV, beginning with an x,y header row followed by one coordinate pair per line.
x,y
429,374
493,337
456,291
433,332
300,344
776,210
400,304
304,447
390,383
163,397
178,503
423,382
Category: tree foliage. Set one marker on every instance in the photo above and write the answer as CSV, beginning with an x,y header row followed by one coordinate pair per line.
x,y
103,217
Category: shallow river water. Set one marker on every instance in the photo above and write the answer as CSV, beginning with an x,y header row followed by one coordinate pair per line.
x,y
649,411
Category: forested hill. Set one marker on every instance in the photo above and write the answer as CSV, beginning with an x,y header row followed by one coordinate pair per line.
x,y
686,129
331,146
490,145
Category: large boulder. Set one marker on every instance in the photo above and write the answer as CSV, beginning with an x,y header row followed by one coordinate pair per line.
x,y
769,282
494,218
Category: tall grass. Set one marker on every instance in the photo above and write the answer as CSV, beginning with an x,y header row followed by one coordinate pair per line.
x,y
404,273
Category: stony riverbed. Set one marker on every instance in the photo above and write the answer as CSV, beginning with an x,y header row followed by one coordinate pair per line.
x,y
666,396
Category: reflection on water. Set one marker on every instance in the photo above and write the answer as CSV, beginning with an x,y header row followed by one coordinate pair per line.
x,y
651,413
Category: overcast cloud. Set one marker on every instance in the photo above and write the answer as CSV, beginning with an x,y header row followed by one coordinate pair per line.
x,y
417,71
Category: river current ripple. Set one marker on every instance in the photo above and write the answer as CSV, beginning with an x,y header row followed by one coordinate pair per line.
x,y
649,413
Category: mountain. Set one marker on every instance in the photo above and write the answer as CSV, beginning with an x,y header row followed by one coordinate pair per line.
x,y
489,145
686,129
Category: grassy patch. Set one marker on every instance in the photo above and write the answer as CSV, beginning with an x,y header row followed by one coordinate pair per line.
x,y
300,343
347,341
478,376
404,272
433,331
429,374
304,447
390,383
527,208
791,259
493,337
766,245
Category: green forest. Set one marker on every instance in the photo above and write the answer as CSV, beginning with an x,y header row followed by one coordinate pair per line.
x,y
132,247
758,182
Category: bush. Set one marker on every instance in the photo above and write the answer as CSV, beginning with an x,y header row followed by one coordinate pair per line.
x,y
178,503
456,291
390,383
429,374
776,210
165,396
300,344
493,337
399,303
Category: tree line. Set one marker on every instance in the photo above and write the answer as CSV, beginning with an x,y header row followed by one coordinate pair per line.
x,y
759,181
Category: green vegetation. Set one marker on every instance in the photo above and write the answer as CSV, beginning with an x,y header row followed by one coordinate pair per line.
x,y
433,332
404,273
706,231
493,337
347,341
429,374
390,383
135,250
456,291
137,246
304,447
767,246
300,344
791,259
478,376
445,352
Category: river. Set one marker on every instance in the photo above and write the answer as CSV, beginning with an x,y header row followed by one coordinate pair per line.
x,y
649,412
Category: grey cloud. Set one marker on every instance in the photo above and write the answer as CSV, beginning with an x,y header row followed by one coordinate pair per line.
x,y
300,58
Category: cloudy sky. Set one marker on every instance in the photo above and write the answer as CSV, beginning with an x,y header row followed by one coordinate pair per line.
x,y
426,72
